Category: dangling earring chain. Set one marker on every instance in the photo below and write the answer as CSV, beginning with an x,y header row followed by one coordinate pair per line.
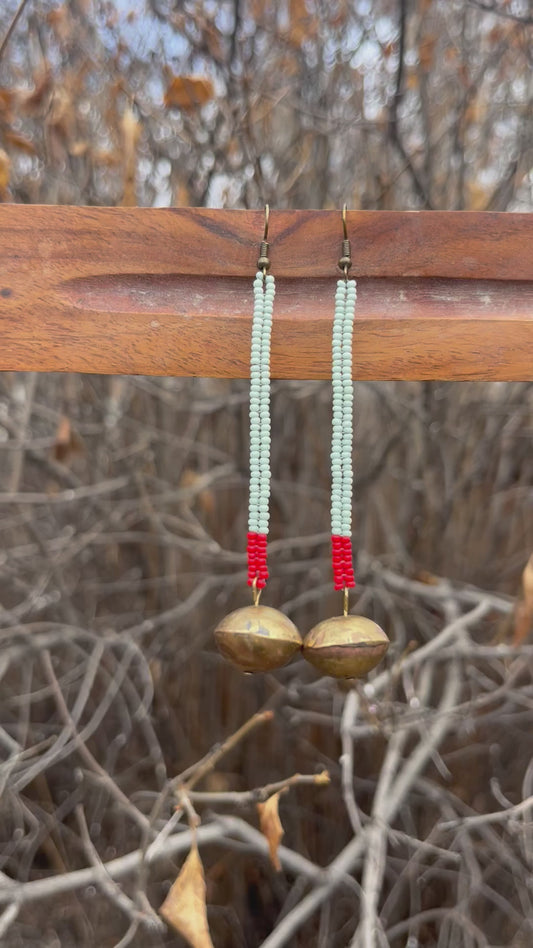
x,y
258,507
342,434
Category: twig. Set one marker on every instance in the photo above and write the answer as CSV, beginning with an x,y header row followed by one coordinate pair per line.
x,y
108,884
25,892
200,770
12,26
441,590
8,916
394,125
70,738
185,804
352,853
376,848
222,831
448,633
423,846
258,794
506,14
184,783
65,496
129,935
349,715
496,817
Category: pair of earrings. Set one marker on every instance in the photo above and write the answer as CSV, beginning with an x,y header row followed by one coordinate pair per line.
x,y
258,638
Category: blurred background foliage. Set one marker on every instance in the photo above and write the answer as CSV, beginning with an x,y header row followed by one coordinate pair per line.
x,y
124,504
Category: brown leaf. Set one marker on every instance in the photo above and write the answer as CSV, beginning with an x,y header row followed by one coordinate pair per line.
x,y
106,157
62,115
188,92
477,196
303,25
426,51
78,148
67,442
527,582
424,576
202,496
5,170
19,141
7,99
60,21
31,101
270,825
182,197
184,907
131,132
523,611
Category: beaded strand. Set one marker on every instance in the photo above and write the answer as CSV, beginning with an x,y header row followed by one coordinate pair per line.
x,y
342,435
258,505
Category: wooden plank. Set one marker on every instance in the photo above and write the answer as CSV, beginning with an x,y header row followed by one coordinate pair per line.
x,y
441,295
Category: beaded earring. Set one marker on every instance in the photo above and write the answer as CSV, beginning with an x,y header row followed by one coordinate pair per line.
x,y
259,638
345,646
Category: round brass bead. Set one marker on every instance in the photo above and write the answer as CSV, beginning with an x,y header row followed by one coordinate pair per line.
x,y
257,638
345,646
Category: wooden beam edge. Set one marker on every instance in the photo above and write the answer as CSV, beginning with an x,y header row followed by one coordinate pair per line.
x,y
442,295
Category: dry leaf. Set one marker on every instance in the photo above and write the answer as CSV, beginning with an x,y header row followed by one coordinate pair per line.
x,y
7,98
5,169
303,25
188,92
78,149
62,114
477,196
182,198
527,582
19,141
31,101
426,51
67,443
202,496
106,157
131,131
424,576
270,825
184,907
523,611
60,21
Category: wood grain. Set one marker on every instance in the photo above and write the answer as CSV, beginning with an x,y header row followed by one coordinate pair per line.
x,y
441,295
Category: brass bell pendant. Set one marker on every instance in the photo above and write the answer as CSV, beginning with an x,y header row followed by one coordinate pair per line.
x,y
345,646
257,638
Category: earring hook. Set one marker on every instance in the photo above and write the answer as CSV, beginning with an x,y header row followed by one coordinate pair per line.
x,y
345,261
264,263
